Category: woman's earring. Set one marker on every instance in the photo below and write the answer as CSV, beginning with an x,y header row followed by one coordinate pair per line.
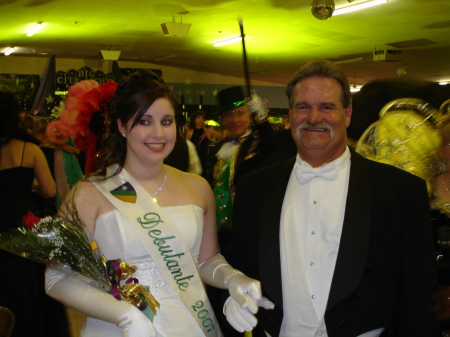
x,y
124,136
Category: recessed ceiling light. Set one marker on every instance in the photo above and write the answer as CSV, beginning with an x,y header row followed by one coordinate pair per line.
x,y
227,41
358,6
9,51
36,27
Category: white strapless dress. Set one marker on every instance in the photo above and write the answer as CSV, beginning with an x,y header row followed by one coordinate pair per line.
x,y
117,239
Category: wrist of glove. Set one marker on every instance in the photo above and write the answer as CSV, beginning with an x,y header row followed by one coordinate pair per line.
x,y
245,292
243,289
218,273
95,303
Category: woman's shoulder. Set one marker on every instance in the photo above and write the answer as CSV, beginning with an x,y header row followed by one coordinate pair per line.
x,y
25,148
189,178
85,190
28,146
85,196
187,188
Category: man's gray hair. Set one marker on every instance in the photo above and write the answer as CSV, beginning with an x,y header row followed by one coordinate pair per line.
x,y
321,68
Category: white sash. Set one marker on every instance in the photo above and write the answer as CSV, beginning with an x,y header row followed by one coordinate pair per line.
x,y
166,245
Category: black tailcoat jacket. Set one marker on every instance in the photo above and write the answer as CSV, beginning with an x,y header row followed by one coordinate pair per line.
x,y
385,273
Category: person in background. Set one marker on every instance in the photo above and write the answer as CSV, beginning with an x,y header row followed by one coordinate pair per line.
x,y
155,217
247,140
22,114
201,135
199,130
342,245
62,160
247,137
27,123
23,168
184,154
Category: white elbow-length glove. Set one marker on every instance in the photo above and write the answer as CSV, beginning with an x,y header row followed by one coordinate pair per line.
x,y
95,303
245,292
257,107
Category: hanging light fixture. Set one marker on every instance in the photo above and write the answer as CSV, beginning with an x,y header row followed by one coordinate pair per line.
x,y
358,6
322,9
228,41
9,51
35,28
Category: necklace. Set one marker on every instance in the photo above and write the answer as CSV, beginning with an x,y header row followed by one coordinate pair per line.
x,y
160,186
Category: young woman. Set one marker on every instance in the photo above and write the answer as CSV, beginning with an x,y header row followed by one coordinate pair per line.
x,y
157,218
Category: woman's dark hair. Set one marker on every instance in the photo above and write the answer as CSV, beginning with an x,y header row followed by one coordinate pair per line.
x,y
132,98
10,127
194,116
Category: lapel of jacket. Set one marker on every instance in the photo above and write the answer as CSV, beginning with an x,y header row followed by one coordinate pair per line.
x,y
355,236
269,258
247,146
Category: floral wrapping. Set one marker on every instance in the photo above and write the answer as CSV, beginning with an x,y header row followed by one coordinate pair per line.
x,y
64,244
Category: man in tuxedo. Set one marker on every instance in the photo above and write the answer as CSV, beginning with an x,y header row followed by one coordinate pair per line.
x,y
342,245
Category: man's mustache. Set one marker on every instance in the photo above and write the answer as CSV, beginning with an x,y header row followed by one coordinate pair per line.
x,y
312,126
308,125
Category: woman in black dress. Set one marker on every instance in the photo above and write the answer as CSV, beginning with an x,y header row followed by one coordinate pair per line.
x,y
23,168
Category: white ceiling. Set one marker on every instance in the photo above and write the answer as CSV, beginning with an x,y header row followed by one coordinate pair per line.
x,y
281,35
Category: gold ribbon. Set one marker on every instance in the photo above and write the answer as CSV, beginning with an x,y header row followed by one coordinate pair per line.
x,y
138,295
132,291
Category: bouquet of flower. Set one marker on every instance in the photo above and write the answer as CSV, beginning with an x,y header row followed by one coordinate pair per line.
x,y
64,243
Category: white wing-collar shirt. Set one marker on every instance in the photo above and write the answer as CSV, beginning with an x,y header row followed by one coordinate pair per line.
x,y
310,232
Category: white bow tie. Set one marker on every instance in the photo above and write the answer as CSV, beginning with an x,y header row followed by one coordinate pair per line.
x,y
305,174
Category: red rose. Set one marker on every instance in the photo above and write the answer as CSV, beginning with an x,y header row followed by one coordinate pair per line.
x,y
30,220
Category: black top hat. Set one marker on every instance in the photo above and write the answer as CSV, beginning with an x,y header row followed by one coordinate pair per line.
x,y
231,98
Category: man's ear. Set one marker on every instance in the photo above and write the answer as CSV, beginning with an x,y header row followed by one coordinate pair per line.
x,y
348,115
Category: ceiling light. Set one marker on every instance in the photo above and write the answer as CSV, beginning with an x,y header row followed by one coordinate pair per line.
x,y
355,88
164,58
109,55
228,41
443,83
176,29
33,30
358,6
9,51
358,59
